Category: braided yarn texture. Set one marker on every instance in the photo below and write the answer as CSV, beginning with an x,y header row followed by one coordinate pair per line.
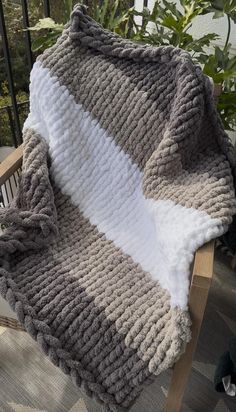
x,y
126,172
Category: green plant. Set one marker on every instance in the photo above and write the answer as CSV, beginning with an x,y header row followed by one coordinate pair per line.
x,y
5,101
50,32
171,25
113,15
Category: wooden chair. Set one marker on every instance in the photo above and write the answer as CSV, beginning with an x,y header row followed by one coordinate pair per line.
x,y
10,170
200,283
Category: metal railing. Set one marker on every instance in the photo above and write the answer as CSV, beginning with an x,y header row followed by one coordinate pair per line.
x,y
8,189
8,110
13,110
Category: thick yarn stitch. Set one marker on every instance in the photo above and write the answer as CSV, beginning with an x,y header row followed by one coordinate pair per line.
x,y
126,172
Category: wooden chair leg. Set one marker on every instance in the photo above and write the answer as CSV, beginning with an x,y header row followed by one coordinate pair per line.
x,y
183,366
201,279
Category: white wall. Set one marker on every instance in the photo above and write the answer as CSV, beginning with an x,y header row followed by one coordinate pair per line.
x,y
203,25
5,151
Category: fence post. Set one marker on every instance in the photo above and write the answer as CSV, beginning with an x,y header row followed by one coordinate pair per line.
x,y
46,8
11,123
27,32
6,54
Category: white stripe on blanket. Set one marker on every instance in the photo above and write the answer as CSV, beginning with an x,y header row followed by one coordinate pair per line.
x,y
102,180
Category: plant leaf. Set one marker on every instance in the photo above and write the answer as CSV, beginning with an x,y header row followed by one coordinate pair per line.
x,y
47,23
43,42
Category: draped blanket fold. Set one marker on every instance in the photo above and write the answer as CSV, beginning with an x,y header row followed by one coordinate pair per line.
x,y
126,172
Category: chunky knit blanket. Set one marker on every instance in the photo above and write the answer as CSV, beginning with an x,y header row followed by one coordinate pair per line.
x,y
126,172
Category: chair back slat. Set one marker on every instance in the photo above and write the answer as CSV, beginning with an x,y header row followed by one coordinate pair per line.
x,y
10,170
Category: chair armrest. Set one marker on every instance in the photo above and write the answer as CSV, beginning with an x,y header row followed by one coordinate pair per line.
x,y
203,265
10,165
201,279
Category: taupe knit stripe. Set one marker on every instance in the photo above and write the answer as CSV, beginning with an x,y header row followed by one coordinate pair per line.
x,y
210,190
69,321
96,262
32,211
91,35
111,88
